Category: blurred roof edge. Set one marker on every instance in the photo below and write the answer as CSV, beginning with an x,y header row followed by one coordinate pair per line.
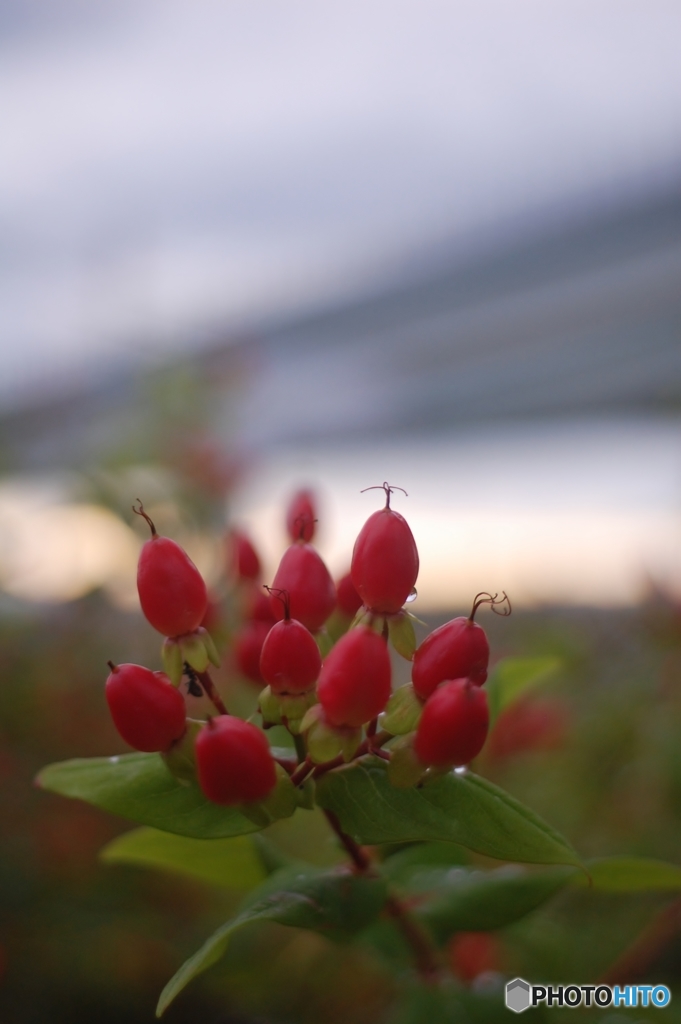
x,y
602,285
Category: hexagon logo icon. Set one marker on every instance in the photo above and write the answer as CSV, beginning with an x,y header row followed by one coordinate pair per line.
x,y
518,995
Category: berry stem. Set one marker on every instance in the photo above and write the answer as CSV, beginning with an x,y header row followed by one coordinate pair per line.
x,y
366,747
388,488
211,692
301,749
383,754
425,953
499,605
634,962
283,596
356,853
140,512
302,772
418,939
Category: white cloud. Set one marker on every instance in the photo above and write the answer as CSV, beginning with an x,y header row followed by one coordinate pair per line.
x,y
178,163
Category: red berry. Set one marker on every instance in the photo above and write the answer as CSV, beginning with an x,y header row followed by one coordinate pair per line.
x,y
385,562
147,710
242,558
529,725
301,516
248,645
171,590
455,650
213,616
259,607
290,660
354,685
474,953
304,576
233,762
349,601
453,726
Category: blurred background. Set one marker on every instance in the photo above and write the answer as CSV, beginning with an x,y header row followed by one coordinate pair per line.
x,y
253,246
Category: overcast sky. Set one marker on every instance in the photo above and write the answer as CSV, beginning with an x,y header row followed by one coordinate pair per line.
x,y
169,166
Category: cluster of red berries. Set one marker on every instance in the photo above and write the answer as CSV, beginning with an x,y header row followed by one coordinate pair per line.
x,y
324,692
449,670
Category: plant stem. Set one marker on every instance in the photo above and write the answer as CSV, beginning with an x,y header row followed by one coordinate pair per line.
x,y
644,950
301,749
368,746
356,853
425,953
302,772
417,938
211,692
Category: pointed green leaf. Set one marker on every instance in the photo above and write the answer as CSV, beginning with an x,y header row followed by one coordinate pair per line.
x,y
140,787
363,615
402,635
324,641
403,711
282,802
209,644
194,652
459,808
171,656
631,874
180,760
401,866
404,769
270,857
234,863
513,677
336,903
476,901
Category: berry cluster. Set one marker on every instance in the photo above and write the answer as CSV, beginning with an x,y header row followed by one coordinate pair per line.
x,y
321,653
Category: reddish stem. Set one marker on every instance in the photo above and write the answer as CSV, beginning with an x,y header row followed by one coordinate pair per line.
x,y
302,772
417,938
283,596
499,605
642,953
368,746
140,512
355,852
383,754
211,692
385,486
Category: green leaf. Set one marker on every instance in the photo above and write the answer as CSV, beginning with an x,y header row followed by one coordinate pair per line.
x,y
337,904
140,787
403,711
513,677
458,808
171,656
233,863
402,635
194,652
476,901
404,769
401,866
631,874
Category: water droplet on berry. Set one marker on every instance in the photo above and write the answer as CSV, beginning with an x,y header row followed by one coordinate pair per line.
x,y
461,771
413,594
